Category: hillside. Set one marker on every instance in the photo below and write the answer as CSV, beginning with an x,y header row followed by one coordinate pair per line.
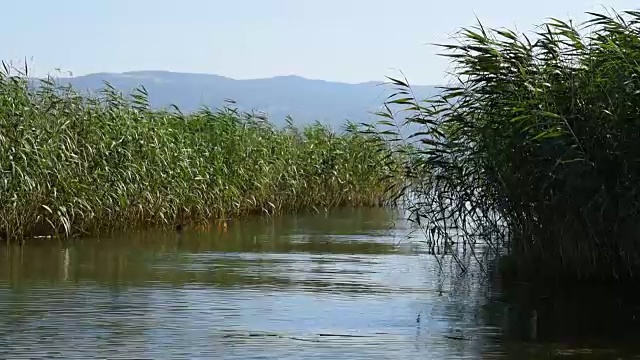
x,y
303,99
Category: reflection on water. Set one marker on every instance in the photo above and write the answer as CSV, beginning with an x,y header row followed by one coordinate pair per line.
x,y
345,284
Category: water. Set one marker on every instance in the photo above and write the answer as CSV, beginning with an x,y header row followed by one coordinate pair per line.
x,y
345,284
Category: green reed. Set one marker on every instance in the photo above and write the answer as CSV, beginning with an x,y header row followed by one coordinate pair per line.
x,y
533,148
73,163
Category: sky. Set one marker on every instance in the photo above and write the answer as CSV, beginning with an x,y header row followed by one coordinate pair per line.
x,y
335,40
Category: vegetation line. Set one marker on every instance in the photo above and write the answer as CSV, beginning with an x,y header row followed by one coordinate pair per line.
x,y
74,164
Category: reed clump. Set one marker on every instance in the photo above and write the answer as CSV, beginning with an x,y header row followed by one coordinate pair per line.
x,y
534,149
74,163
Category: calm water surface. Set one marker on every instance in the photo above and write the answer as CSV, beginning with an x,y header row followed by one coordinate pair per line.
x,y
340,285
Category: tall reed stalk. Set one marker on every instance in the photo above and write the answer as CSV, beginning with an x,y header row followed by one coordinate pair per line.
x,y
73,163
533,149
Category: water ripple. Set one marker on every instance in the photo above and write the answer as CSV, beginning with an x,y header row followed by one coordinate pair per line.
x,y
316,287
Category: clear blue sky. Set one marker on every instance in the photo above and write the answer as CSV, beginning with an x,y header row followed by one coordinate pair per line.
x,y
346,40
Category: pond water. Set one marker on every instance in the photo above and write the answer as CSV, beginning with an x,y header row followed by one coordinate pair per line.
x,y
346,284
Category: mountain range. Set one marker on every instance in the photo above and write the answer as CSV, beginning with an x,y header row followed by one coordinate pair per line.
x,y
305,100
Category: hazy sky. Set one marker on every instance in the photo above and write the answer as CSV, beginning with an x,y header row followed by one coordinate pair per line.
x,y
347,40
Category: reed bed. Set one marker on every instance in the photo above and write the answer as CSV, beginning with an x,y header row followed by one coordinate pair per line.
x,y
532,149
74,163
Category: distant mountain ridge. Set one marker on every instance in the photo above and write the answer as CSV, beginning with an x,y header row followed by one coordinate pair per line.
x,y
305,100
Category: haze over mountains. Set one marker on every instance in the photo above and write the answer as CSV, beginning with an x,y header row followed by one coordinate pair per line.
x,y
303,99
